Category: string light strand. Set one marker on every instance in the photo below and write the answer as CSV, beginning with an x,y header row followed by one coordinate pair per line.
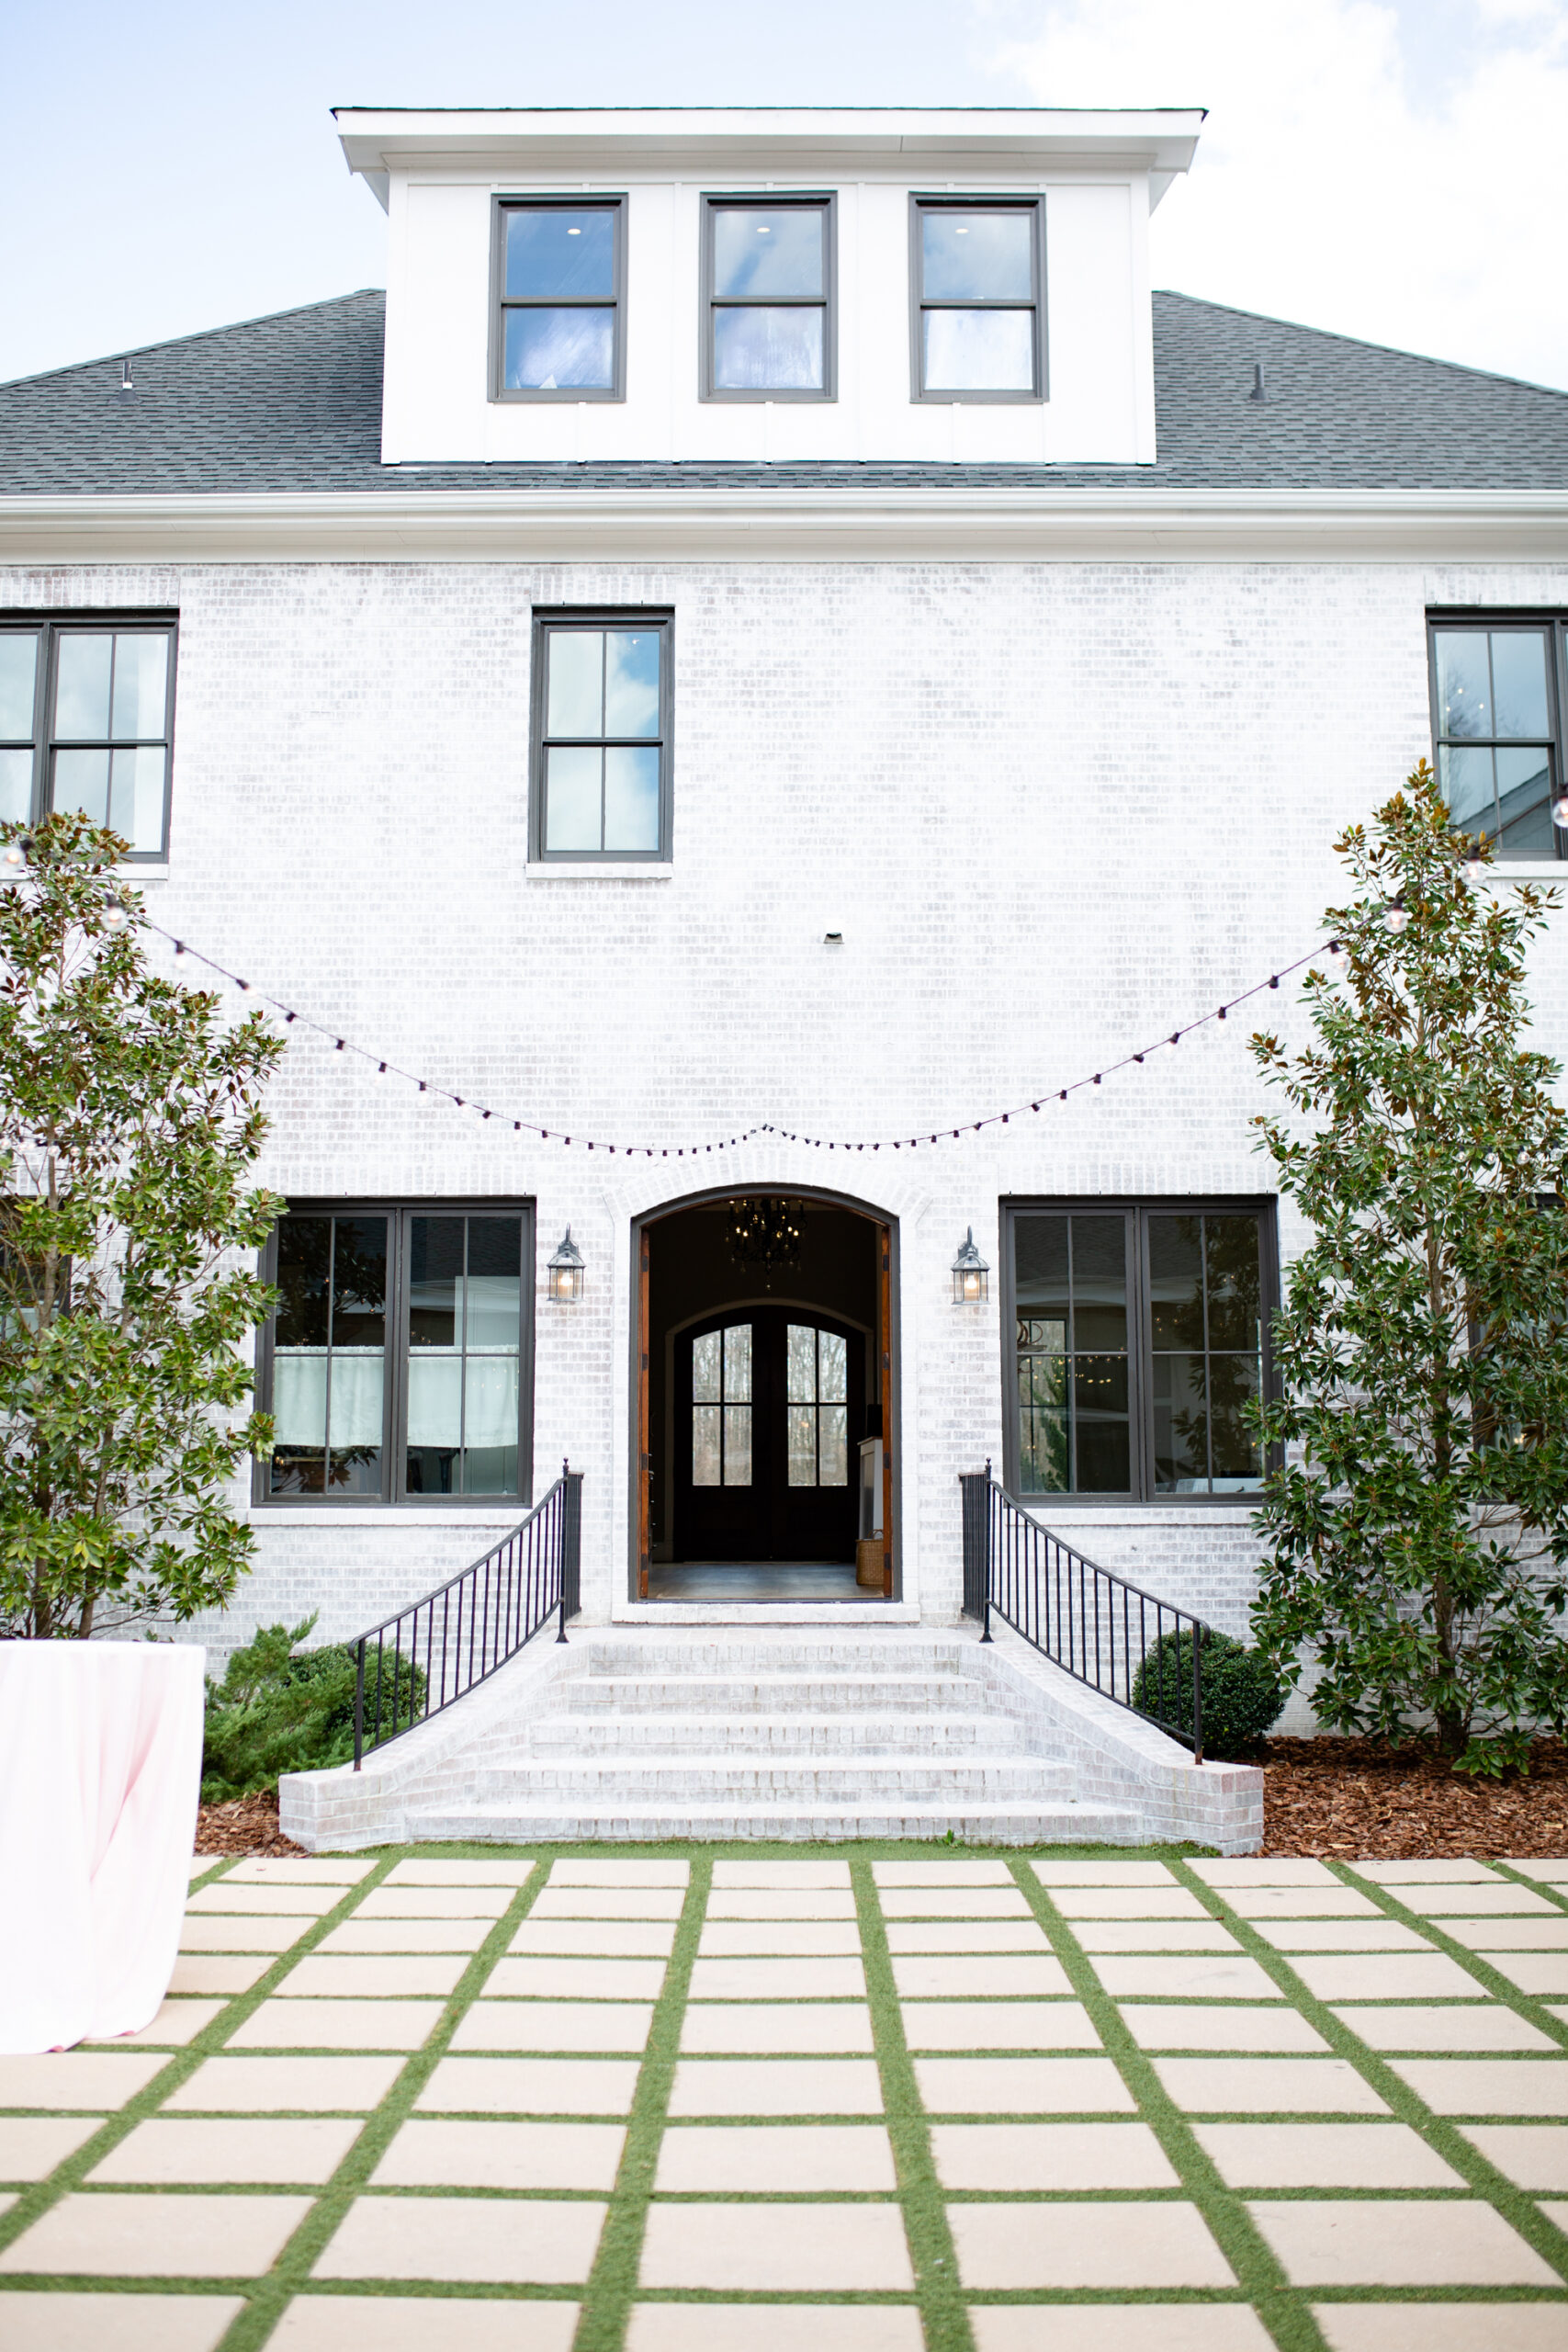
x,y
185,953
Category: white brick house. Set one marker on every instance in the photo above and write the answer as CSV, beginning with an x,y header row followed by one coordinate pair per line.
x,y
990,669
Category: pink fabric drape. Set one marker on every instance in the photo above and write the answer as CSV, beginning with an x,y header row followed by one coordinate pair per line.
x,y
100,1774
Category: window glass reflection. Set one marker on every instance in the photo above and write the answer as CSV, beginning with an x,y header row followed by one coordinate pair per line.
x,y
557,256
559,351
19,678
978,256
760,251
979,351
768,350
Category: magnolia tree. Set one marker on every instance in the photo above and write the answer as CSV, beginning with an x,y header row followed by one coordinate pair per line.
x,y
1419,1527
129,1121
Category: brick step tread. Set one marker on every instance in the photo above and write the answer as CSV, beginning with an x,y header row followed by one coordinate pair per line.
x,y
882,1730
595,1782
975,1823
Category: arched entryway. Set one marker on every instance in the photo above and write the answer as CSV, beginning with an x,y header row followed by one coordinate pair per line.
x,y
764,1400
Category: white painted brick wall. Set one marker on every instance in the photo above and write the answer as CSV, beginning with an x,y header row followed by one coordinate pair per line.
x,y
1054,809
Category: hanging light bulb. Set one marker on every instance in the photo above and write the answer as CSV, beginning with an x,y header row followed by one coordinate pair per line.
x,y
115,914
182,955
1560,811
1339,959
1396,915
380,1070
15,853
1475,864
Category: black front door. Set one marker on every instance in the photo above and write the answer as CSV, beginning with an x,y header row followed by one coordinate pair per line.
x,y
770,1408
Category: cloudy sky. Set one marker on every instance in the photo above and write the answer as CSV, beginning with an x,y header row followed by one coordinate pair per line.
x,y
1394,169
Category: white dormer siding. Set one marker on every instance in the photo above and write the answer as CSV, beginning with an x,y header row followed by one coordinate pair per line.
x,y
1097,177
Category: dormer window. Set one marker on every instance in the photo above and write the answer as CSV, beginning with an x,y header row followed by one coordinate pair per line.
x,y
768,297
978,267
560,270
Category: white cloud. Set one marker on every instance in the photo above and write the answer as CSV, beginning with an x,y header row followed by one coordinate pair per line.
x,y
1396,174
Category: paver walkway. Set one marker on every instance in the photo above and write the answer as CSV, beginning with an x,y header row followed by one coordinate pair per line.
x,y
704,2102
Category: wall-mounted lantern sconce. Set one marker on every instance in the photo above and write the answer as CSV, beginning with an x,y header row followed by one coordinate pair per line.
x,y
565,1270
971,1275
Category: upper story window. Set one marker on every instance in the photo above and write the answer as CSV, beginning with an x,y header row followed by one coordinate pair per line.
x,y
1496,696
978,272
1138,1334
601,736
86,716
395,1366
768,330
560,265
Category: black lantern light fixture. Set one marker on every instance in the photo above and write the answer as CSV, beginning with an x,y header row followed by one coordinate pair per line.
x,y
971,1275
565,1272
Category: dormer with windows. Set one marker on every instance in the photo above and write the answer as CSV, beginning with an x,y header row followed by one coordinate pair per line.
x,y
767,287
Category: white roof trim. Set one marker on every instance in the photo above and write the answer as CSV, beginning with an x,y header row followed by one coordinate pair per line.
x,y
803,525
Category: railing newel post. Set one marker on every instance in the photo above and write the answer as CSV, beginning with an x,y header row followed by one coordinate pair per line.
x,y
358,1701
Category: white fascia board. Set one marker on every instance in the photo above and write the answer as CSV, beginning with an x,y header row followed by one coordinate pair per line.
x,y
1159,140
804,526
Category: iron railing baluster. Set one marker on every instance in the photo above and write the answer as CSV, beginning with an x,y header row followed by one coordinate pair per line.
x,y
1065,1605
488,1612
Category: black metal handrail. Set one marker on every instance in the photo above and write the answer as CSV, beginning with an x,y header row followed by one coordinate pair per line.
x,y
445,1643
1102,1630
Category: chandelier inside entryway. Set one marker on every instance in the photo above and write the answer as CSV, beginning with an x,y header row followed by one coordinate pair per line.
x,y
764,1233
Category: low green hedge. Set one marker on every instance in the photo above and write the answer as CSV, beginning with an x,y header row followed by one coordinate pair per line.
x,y
276,1711
1242,1697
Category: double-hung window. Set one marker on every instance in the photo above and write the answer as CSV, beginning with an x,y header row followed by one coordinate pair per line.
x,y
87,719
560,298
768,325
1497,699
1136,1334
978,269
601,736
396,1366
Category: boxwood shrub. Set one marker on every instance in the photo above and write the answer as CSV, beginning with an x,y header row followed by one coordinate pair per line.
x,y
1242,1697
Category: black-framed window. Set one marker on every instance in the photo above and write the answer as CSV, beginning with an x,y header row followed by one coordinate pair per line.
x,y
769,329
1497,694
1135,1334
398,1365
602,713
977,272
86,722
560,298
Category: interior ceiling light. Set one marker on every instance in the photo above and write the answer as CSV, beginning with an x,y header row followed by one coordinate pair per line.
x,y
764,1233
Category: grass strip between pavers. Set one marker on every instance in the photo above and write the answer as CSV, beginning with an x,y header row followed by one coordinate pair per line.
x,y
1284,2311
71,2173
1445,2138
613,2281
943,2311
272,2293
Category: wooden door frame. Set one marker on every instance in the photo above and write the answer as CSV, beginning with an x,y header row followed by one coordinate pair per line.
x,y
884,1343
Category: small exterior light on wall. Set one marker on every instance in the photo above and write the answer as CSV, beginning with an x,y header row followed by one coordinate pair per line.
x,y
971,1275
565,1272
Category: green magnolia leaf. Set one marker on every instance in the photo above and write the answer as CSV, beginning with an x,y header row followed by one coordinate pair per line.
x,y
129,1121
1417,1526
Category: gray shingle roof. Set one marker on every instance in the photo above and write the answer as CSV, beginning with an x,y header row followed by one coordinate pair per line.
x,y
292,403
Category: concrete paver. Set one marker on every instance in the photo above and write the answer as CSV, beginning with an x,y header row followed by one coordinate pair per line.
x,y
781,2156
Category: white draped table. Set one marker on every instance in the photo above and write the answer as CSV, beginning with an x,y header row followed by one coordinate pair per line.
x,y
100,1775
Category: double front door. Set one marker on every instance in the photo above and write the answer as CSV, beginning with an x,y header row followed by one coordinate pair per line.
x,y
770,1410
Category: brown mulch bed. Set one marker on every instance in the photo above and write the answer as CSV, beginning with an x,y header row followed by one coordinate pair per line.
x,y
1358,1799
244,1826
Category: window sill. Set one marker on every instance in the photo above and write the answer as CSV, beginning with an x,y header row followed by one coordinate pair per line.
x,y
332,1514
597,870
